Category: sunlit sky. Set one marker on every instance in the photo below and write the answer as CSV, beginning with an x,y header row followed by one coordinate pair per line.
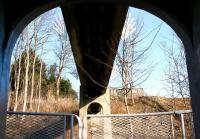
x,y
155,84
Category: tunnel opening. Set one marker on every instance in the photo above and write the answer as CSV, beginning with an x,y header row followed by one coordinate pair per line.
x,y
95,108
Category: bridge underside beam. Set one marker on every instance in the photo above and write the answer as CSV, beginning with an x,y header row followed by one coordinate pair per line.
x,y
94,31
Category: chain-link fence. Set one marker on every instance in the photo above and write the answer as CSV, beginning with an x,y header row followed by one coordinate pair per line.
x,y
40,125
163,125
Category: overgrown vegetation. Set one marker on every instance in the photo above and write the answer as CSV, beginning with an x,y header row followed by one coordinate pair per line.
x,y
36,84
48,86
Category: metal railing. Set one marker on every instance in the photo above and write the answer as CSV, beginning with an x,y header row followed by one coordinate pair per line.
x,y
160,125
176,124
25,125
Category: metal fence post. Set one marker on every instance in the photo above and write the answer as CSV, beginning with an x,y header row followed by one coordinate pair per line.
x,y
65,124
183,126
172,124
85,127
192,125
80,127
72,126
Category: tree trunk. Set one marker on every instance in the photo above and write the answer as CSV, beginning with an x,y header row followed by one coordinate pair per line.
x,y
17,88
33,70
132,96
128,111
58,86
26,79
10,91
9,100
126,103
32,82
39,91
59,77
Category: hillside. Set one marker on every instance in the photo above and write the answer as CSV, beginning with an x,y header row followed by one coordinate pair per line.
x,y
149,104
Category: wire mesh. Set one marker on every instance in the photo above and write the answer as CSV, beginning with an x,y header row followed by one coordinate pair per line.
x,y
35,126
189,126
161,126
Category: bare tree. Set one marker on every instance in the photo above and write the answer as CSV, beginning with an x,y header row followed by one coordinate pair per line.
x,y
63,50
33,73
130,56
176,72
27,62
10,90
17,74
39,90
26,68
41,33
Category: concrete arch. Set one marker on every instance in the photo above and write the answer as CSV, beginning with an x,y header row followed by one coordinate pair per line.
x,y
158,12
7,44
179,29
164,15
170,19
18,27
146,6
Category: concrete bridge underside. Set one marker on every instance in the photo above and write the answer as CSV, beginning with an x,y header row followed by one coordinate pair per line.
x,y
94,28
94,31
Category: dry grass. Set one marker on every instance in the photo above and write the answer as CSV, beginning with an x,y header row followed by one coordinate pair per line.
x,y
142,104
61,104
66,104
149,104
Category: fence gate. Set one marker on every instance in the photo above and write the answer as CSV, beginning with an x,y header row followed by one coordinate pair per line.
x,y
24,125
162,125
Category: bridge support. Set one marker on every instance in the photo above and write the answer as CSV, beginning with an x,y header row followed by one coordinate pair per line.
x,y
85,102
4,74
193,64
98,105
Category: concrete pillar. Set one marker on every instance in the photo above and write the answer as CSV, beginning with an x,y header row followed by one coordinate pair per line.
x,y
4,75
193,64
85,101
4,88
104,101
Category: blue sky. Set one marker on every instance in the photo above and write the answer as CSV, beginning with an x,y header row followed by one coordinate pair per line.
x,y
155,84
